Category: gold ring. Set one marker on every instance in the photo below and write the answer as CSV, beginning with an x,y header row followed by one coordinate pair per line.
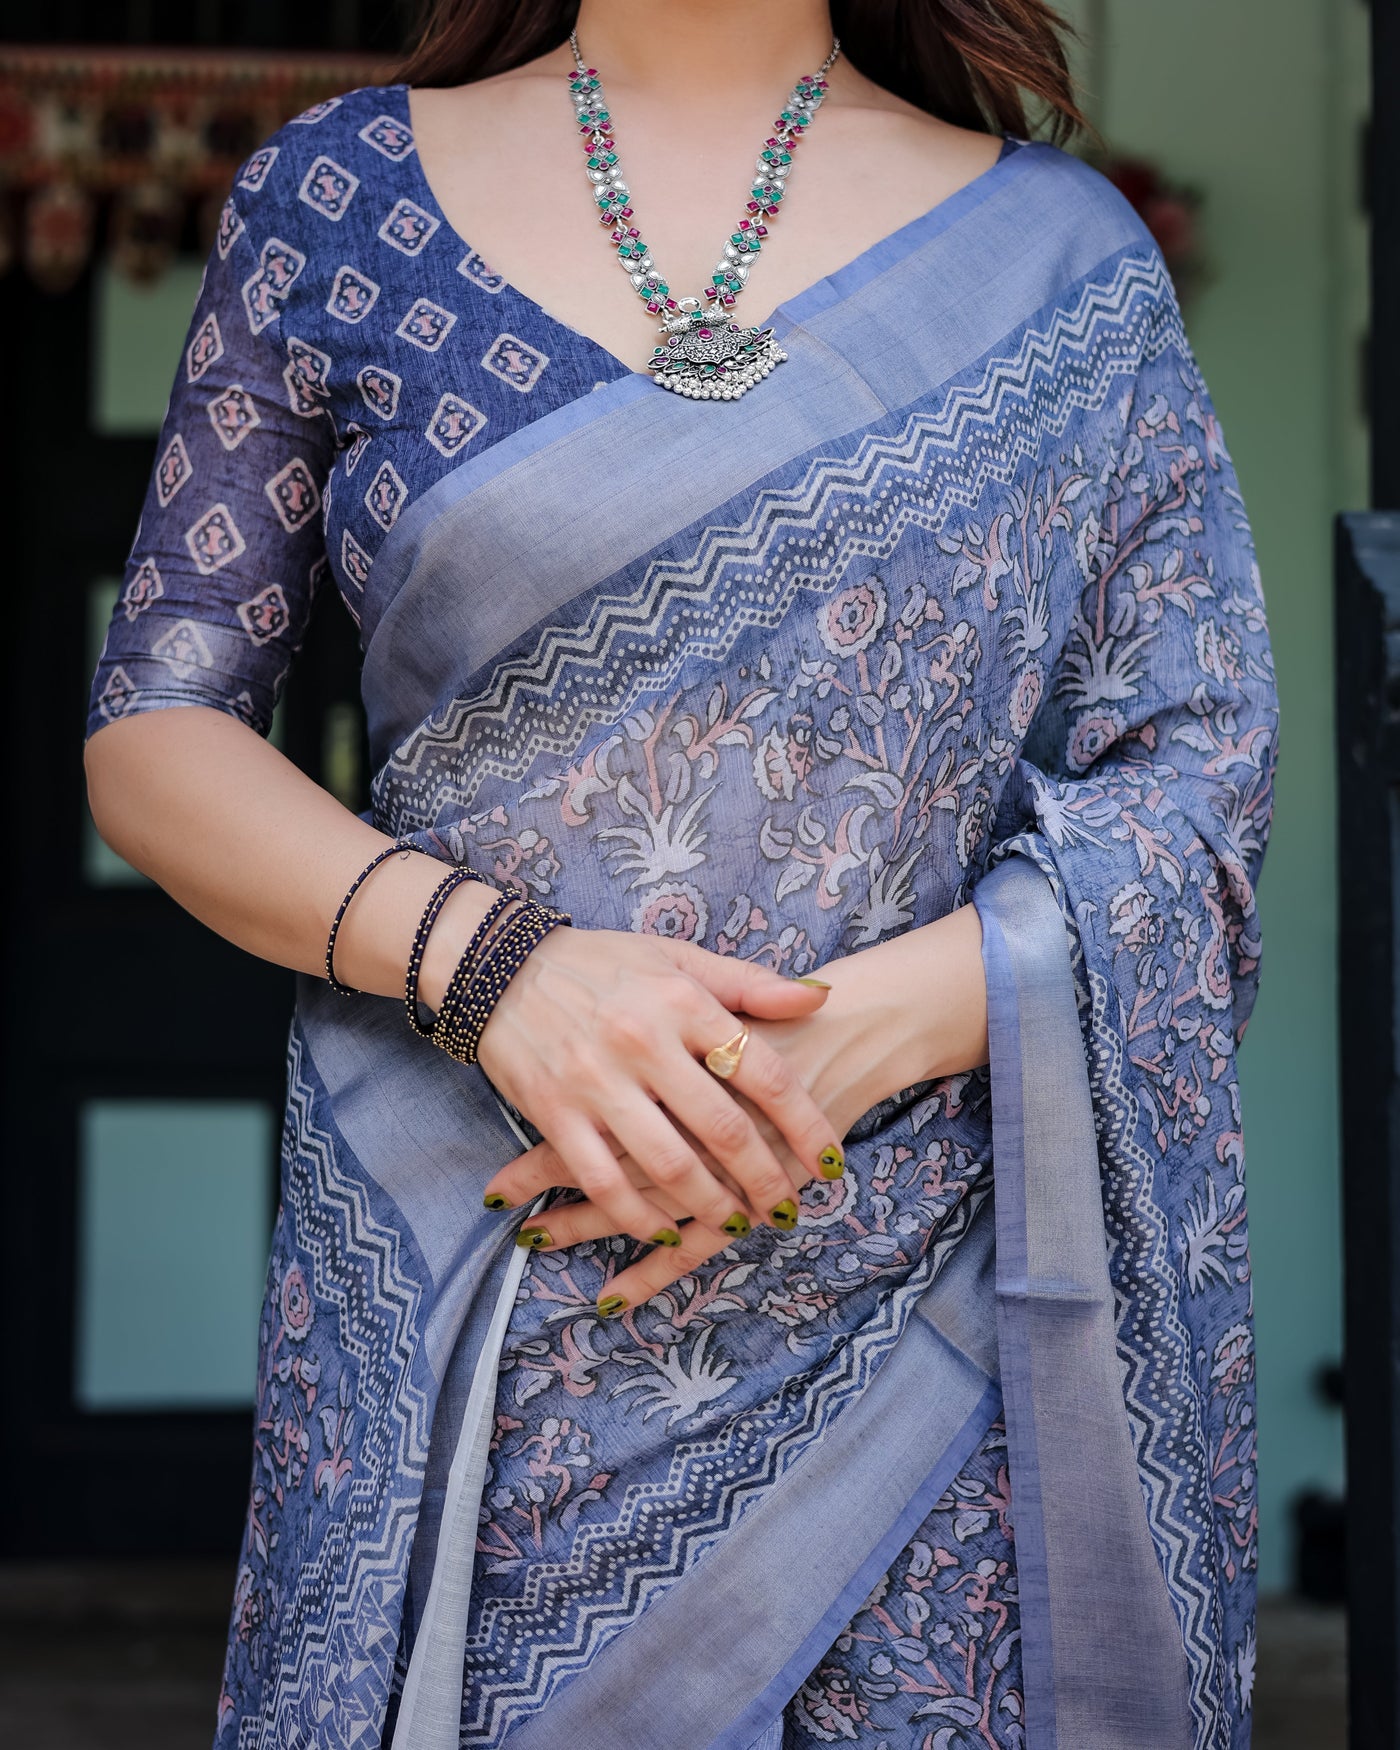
x,y
724,1059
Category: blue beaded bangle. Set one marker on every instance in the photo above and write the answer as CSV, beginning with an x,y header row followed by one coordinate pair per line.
x,y
436,901
348,990
470,1001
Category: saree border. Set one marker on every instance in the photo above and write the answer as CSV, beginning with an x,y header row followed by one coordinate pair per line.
x,y
1103,1660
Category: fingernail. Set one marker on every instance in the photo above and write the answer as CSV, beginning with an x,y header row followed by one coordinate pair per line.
x,y
494,1200
612,1304
534,1237
784,1214
738,1224
666,1236
832,1162
820,983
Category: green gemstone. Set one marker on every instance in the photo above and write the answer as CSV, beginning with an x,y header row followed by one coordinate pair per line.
x,y
707,369
785,158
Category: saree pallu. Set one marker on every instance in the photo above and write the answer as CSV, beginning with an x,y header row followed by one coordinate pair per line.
x,y
959,605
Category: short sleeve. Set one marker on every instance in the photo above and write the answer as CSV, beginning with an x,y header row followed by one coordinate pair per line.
x,y
230,548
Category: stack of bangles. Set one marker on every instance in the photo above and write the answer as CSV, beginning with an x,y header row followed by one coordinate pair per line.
x,y
501,943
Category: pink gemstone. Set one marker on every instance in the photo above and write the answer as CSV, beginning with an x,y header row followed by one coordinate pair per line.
x,y
719,370
592,72
744,224
770,211
760,230
704,334
753,207
733,327
729,297
653,306
618,236
632,231
670,303
770,141
626,213
675,339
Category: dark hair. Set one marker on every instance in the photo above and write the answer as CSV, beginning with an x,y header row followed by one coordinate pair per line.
x,y
970,62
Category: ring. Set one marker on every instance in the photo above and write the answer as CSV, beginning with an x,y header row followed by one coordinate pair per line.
x,y
724,1059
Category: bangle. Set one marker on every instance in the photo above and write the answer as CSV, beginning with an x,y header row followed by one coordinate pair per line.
x,y
403,847
436,901
453,996
470,1001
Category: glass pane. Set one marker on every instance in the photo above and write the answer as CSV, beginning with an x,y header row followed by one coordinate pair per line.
x,y
138,333
174,1219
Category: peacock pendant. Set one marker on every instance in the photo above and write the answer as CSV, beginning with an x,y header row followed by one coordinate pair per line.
x,y
706,355
711,358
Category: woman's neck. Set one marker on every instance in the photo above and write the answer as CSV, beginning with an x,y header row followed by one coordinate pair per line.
x,y
638,44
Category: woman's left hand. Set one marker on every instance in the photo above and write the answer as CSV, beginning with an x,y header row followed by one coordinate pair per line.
x,y
908,1010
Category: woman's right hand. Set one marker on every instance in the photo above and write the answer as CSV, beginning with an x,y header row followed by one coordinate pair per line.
x,y
601,1029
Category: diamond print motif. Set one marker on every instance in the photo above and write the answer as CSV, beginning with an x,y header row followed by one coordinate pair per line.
x,y
353,295
408,227
214,540
515,361
389,136
294,495
454,423
386,496
427,324
173,469
233,415
328,188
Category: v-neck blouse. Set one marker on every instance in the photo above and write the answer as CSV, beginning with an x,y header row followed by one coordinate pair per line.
x,y
348,349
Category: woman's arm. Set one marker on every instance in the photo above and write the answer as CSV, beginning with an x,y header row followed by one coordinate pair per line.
x,y
909,1010
597,1032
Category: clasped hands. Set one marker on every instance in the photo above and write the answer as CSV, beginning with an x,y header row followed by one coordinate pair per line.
x,y
599,1042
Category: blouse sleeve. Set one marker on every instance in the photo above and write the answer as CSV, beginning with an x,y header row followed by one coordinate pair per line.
x,y
229,548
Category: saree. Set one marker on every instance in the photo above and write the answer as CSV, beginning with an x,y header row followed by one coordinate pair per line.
x,y
959,606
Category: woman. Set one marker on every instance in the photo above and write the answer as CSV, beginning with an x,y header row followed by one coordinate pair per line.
x,y
898,735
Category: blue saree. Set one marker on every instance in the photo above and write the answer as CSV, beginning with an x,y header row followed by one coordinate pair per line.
x,y
959,605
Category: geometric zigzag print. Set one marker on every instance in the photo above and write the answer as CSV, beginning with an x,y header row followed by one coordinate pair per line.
x,y
799,537
511,1669
1163,1407
335,1548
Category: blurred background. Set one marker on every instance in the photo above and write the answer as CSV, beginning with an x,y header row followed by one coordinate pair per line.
x,y
141,1121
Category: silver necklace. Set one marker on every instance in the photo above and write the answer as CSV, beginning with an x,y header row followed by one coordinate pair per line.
x,y
706,355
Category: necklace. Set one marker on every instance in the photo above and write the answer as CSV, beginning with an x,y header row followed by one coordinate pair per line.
x,y
706,356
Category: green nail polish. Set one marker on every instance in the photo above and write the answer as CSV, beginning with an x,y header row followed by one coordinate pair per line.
x,y
666,1236
494,1200
534,1237
612,1304
832,1162
785,1213
738,1224
820,983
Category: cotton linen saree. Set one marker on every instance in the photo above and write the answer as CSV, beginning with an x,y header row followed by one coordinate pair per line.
x,y
959,604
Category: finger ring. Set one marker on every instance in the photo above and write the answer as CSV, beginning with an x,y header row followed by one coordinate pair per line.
x,y
724,1059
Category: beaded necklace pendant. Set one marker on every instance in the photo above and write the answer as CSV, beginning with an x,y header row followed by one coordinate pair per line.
x,y
706,355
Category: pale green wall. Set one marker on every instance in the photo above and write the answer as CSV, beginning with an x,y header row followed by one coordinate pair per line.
x,y
1256,102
